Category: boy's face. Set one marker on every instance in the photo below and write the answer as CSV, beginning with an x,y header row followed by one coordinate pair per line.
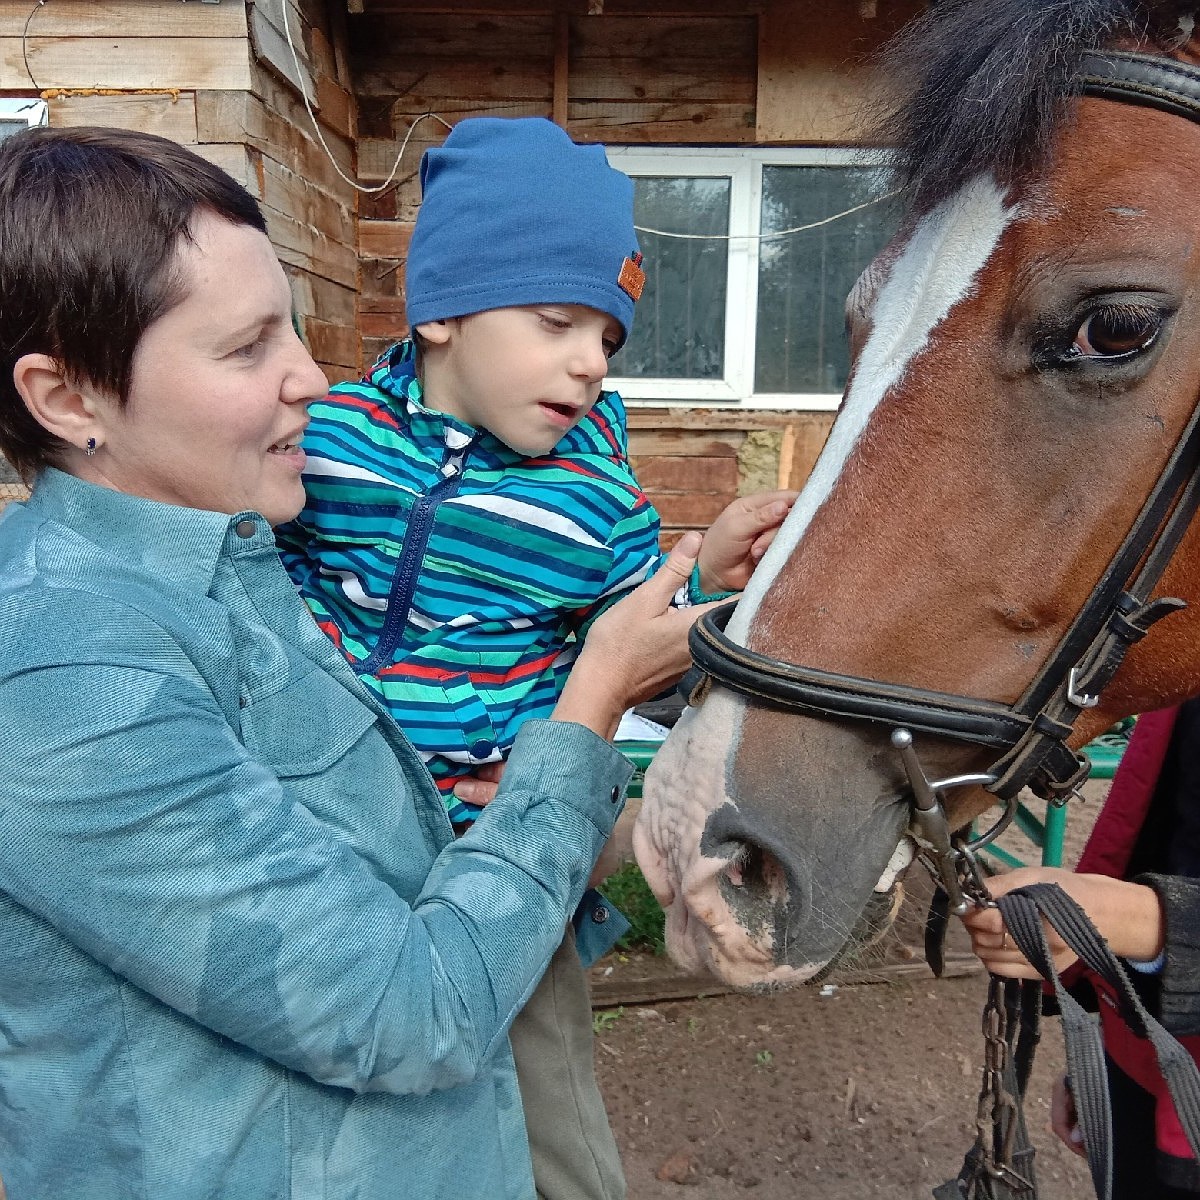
x,y
527,375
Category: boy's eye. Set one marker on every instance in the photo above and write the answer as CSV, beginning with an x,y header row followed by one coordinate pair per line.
x,y
555,321
610,347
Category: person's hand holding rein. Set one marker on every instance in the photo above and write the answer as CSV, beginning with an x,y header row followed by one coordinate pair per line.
x,y
634,650
1128,916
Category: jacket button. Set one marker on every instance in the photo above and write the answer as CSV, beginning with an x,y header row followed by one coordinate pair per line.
x,y
600,914
246,529
616,795
481,749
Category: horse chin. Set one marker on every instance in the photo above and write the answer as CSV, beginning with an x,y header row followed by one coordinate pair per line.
x,y
710,939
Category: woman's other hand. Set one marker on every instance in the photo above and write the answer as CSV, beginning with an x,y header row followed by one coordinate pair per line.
x,y
1063,1118
636,649
1128,916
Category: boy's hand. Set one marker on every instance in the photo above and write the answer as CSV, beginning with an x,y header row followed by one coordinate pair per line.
x,y
478,788
635,649
739,537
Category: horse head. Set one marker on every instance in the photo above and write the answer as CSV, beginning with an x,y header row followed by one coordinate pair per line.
x,y
966,563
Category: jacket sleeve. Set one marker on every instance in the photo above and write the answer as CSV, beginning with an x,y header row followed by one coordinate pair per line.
x,y
1179,996
136,825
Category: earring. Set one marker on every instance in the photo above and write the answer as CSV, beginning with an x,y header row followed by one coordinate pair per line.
x,y
90,448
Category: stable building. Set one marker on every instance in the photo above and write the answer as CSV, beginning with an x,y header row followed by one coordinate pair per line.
x,y
739,120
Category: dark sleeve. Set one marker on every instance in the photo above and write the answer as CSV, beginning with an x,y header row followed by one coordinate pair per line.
x,y
1179,995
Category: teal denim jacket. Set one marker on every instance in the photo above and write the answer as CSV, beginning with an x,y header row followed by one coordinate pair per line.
x,y
242,953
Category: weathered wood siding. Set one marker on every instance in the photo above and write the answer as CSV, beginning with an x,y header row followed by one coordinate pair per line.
x,y
221,79
634,72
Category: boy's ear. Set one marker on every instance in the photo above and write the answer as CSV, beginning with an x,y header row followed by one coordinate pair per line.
x,y
68,411
435,333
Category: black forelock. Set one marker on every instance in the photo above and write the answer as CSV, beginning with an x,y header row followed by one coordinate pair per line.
x,y
981,85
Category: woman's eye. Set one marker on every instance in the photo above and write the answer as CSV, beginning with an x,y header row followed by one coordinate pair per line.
x,y
1117,331
250,349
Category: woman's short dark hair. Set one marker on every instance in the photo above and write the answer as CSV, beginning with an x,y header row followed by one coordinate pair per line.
x,y
90,224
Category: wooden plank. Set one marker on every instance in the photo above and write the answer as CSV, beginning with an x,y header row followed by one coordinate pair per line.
x,y
644,123
121,18
384,239
309,247
293,122
562,66
680,510
664,58
329,343
690,475
271,46
172,117
239,162
241,116
517,38
436,83
126,63
382,325
322,298
291,193
649,443
811,68
636,983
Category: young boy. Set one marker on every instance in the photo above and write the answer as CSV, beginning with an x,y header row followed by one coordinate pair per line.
x,y
471,510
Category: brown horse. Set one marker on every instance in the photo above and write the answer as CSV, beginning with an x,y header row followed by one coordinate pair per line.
x,y
960,565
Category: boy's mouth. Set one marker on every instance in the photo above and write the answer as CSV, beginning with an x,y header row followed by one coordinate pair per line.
x,y
560,414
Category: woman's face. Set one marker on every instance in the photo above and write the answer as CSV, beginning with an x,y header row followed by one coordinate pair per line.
x,y
220,387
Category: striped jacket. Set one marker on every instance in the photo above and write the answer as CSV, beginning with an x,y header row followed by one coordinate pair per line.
x,y
453,573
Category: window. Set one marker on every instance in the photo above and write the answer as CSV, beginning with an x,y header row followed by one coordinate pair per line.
x,y
748,306
18,114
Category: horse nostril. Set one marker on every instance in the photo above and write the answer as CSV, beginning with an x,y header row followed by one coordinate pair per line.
x,y
753,869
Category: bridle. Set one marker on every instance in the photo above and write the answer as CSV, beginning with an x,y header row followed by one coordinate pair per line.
x,y
1030,735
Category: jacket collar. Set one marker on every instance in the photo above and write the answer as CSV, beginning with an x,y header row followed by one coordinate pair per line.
x,y
395,374
167,540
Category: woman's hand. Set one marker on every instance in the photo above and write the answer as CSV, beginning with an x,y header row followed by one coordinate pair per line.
x,y
1128,916
1063,1118
635,650
739,537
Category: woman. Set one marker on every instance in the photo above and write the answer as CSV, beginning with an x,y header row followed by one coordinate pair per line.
x,y
1138,879
243,954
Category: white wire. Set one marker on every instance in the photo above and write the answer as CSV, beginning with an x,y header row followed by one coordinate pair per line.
x,y
312,116
765,237
707,237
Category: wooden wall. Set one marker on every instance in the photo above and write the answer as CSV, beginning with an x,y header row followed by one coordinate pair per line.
x,y
221,79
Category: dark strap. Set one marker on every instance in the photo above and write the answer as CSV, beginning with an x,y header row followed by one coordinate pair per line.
x,y
1131,78
1024,911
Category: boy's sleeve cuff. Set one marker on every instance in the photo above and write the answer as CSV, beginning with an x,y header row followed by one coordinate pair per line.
x,y
693,593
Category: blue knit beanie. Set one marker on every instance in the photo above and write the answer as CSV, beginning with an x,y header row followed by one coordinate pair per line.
x,y
513,212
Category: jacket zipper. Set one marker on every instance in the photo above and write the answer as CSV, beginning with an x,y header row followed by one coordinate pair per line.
x,y
404,580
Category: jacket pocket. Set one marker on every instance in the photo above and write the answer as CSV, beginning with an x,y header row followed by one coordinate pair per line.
x,y
306,726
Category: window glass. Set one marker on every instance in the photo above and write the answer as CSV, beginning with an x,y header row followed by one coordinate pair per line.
x,y
804,277
680,328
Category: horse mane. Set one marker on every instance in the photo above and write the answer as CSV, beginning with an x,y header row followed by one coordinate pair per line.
x,y
982,85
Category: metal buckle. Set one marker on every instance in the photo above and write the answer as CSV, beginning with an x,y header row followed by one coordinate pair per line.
x,y
1075,696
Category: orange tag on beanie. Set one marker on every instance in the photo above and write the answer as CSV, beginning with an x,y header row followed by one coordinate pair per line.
x,y
632,278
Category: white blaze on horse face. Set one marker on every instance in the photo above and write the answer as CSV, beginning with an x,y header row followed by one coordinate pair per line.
x,y
688,782
933,272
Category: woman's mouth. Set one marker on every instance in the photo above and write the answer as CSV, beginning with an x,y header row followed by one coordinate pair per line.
x,y
290,452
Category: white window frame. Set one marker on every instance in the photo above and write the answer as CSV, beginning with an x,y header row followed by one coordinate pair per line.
x,y
743,167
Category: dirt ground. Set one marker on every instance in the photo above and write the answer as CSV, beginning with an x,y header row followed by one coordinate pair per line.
x,y
868,1090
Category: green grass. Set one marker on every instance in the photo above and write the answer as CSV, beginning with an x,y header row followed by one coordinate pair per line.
x,y
629,891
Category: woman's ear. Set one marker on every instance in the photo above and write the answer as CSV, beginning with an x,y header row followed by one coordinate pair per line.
x,y
68,411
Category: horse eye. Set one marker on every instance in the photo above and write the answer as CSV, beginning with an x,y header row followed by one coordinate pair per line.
x,y
1117,331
